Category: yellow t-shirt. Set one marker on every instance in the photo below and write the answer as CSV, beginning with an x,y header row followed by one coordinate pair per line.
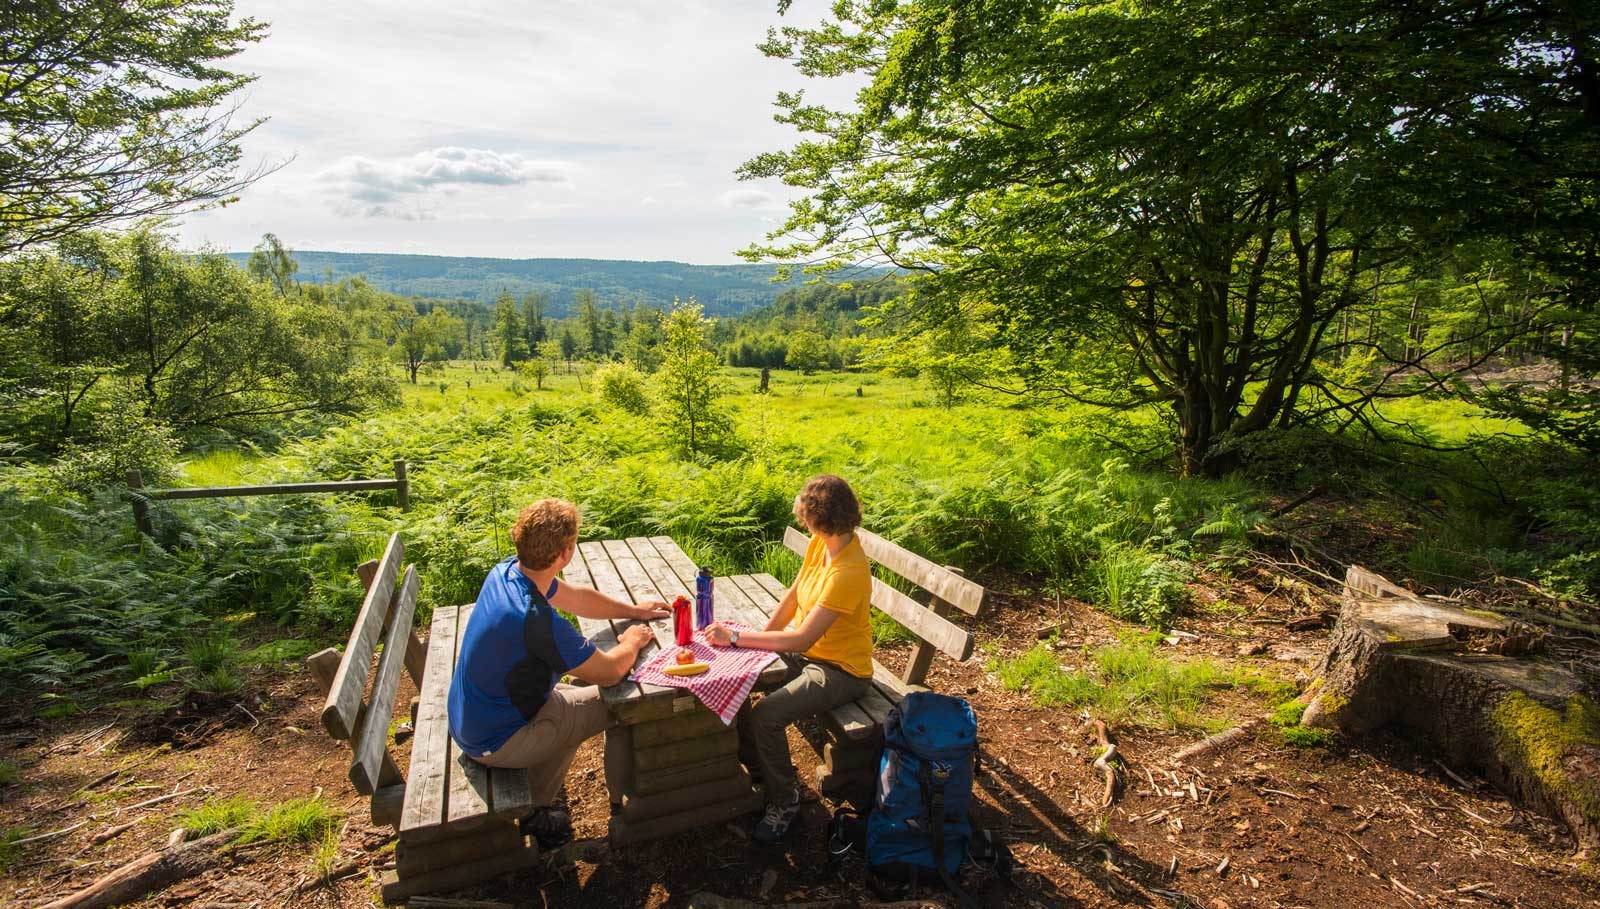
x,y
844,586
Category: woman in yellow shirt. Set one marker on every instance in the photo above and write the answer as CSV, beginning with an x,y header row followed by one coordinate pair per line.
x,y
823,621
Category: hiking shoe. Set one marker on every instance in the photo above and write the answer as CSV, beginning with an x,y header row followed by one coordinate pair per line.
x,y
551,828
775,822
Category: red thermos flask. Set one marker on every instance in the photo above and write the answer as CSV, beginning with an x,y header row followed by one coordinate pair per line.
x,y
682,621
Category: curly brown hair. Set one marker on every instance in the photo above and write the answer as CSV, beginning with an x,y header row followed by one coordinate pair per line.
x,y
543,531
828,505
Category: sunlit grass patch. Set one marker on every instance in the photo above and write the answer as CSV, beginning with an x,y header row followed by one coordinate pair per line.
x,y
217,815
301,820
1130,681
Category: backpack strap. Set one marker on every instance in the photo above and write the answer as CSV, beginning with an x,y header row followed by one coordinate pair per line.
x,y
933,783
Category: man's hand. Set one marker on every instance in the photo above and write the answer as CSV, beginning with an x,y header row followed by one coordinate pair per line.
x,y
719,635
651,610
636,636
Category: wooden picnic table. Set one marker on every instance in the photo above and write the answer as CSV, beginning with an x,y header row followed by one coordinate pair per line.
x,y
686,768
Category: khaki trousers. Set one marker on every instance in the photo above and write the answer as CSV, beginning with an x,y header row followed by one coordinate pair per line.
x,y
763,729
546,745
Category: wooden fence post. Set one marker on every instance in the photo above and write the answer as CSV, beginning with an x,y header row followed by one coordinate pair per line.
x,y
403,489
141,507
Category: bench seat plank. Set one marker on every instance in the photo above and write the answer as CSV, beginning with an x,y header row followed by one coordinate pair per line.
x,y
342,708
372,740
425,792
468,784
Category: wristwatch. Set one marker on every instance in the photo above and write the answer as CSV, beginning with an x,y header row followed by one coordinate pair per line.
x,y
733,637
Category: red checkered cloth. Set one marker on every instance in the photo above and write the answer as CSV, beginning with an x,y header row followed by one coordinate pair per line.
x,y
724,686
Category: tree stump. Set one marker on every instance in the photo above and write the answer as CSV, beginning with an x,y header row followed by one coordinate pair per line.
x,y
1469,683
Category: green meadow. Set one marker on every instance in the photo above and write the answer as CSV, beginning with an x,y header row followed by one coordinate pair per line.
x,y
1054,500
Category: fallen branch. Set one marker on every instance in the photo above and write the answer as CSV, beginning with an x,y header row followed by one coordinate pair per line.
x,y
1108,764
48,836
112,833
159,799
148,873
1212,743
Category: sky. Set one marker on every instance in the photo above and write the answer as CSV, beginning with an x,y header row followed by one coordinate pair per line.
x,y
548,128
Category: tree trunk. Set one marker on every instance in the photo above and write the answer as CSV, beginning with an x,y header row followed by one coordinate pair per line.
x,y
147,873
1462,684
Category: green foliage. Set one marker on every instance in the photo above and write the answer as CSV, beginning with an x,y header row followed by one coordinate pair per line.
x,y
807,352
117,111
1130,681
217,815
9,850
1139,585
687,388
134,340
726,290
298,821
278,653
9,773
1229,251
623,387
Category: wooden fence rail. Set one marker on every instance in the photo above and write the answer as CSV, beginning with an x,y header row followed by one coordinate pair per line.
x,y
140,497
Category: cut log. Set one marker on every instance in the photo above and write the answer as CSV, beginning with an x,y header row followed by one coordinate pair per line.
x,y
148,873
1430,670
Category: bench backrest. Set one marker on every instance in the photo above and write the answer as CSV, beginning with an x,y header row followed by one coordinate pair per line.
x,y
948,590
386,615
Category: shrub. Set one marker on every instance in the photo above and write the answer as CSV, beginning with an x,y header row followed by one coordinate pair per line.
x,y
622,387
1138,585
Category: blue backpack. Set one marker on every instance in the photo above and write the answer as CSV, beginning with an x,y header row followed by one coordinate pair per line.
x,y
919,823
919,828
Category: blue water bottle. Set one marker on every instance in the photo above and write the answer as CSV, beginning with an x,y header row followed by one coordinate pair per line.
x,y
703,611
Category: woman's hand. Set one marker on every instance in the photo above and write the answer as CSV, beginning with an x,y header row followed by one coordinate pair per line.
x,y
718,635
650,610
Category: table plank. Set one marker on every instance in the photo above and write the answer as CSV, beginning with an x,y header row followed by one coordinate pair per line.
x,y
679,560
666,580
424,799
608,580
640,588
469,780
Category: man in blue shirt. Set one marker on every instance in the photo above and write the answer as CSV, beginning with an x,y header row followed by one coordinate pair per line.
x,y
508,706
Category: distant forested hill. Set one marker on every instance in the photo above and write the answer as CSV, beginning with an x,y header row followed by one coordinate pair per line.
x,y
724,290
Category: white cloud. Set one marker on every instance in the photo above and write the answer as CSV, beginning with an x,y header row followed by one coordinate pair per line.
x,y
748,198
378,187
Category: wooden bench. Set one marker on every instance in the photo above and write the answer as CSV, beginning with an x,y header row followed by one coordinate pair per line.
x,y
855,730
457,820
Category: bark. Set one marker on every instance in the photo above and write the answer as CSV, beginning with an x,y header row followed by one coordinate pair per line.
x,y
148,873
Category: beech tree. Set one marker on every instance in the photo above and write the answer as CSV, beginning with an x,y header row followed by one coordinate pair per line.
x,y
117,109
1178,204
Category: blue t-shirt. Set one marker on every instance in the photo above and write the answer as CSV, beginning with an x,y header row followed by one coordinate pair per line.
x,y
515,649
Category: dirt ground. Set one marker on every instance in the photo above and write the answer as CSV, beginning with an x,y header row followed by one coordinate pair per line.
x,y
1263,824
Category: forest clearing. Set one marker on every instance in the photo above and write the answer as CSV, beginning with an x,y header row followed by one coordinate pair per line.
x,y
823,453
